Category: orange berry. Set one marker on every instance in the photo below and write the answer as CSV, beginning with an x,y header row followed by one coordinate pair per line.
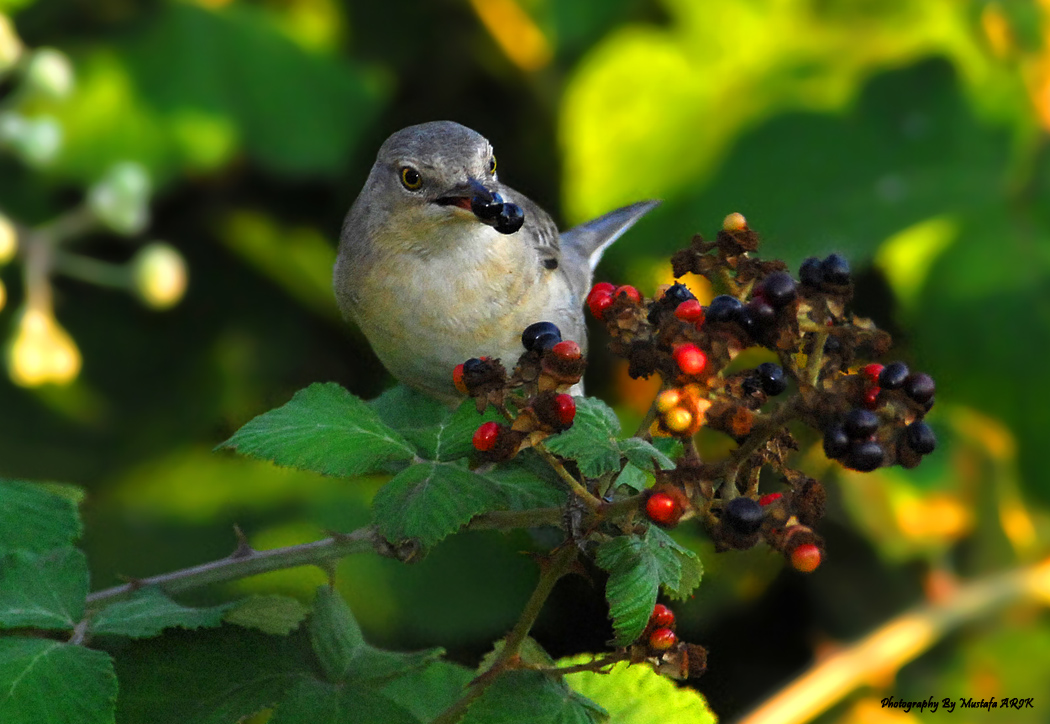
x,y
805,558
668,400
734,222
678,419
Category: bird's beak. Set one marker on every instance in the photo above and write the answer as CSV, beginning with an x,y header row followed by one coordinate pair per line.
x,y
463,194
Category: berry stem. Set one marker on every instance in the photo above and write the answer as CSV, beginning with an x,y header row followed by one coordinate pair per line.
x,y
650,416
581,492
816,358
555,567
760,434
598,664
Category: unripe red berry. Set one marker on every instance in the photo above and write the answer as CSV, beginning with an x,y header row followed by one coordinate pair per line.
x,y
457,379
662,509
630,292
567,350
486,435
871,397
872,371
770,498
805,558
662,616
565,408
690,359
690,311
602,289
662,639
598,303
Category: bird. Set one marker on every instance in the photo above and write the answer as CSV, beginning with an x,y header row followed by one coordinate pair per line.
x,y
440,262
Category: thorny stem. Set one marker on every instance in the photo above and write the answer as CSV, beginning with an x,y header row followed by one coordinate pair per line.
x,y
556,567
581,492
246,561
597,665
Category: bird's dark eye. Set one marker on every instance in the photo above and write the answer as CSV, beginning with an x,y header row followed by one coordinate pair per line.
x,y
492,166
411,178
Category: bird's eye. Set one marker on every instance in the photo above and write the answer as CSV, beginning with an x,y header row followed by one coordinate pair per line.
x,y
411,178
492,166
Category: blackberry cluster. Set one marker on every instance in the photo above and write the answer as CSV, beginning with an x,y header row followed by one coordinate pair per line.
x,y
869,415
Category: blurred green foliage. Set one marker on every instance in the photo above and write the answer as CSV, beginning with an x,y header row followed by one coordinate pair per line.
x,y
910,135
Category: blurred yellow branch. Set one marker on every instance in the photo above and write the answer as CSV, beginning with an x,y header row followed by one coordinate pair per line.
x,y
896,643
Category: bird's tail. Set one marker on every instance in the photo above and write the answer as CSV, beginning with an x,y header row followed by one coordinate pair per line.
x,y
590,240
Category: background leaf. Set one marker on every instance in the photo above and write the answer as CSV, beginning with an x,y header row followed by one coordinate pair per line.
x,y
276,615
325,429
316,702
49,682
529,696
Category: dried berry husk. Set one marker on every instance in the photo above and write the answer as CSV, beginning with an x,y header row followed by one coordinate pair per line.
x,y
809,502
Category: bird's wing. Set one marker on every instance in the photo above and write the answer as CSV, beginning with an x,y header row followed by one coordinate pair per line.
x,y
590,240
542,231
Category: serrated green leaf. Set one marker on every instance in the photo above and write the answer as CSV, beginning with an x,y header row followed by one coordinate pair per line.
x,y
316,702
325,429
149,611
428,692
207,676
334,633
48,682
527,482
530,653
428,501
690,569
638,566
645,455
632,477
437,432
530,697
340,647
34,518
638,695
272,614
44,590
591,441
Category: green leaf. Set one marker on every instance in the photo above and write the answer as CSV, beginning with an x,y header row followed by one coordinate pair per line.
x,y
632,477
638,695
591,441
530,697
527,482
43,590
272,614
638,566
428,692
47,682
334,633
149,611
316,702
428,501
437,432
207,676
35,519
340,647
325,429
645,455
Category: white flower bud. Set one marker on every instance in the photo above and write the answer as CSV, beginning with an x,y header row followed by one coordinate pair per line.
x,y
42,351
120,200
50,72
159,275
8,240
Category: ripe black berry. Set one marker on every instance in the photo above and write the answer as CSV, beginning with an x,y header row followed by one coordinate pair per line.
x,y
723,308
779,289
920,437
540,336
893,375
836,441
860,423
762,314
809,273
772,378
473,366
743,317
833,345
676,294
487,208
919,386
743,515
864,456
511,219
834,270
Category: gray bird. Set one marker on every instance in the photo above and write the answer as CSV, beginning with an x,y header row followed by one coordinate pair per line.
x,y
435,270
